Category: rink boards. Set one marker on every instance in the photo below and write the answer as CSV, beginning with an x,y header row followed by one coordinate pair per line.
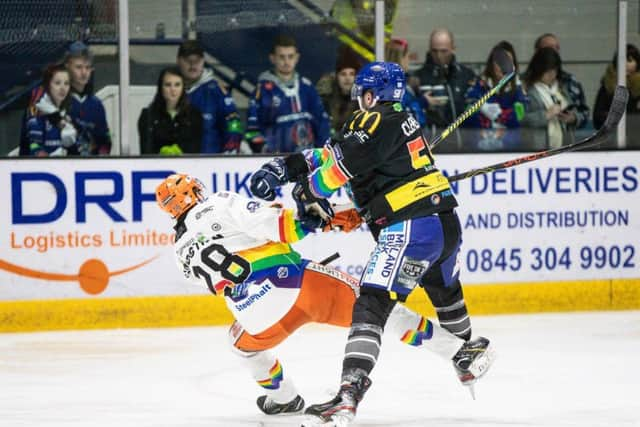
x,y
83,245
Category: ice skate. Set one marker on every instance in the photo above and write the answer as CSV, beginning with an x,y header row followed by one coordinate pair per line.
x,y
472,361
340,410
270,407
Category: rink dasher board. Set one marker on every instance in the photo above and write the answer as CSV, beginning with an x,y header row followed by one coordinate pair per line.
x,y
557,234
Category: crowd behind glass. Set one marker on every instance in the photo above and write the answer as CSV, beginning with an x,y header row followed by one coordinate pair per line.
x,y
192,112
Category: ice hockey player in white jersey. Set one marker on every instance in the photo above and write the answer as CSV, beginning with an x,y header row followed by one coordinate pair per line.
x,y
240,248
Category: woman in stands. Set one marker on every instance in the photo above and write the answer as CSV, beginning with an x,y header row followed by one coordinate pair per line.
x,y
49,128
335,88
608,84
170,125
549,101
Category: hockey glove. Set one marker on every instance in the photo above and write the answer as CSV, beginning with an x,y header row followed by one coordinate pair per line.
x,y
309,220
268,178
312,211
345,221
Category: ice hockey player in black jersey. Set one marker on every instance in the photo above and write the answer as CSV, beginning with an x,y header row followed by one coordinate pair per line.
x,y
384,162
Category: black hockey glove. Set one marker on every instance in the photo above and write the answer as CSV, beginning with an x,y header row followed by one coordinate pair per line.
x,y
268,178
313,212
277,173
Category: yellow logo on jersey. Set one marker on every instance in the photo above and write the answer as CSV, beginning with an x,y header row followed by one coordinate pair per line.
x,y
417,189
365,117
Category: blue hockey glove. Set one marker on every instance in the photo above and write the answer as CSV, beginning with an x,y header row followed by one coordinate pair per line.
x,y
312,212
268,178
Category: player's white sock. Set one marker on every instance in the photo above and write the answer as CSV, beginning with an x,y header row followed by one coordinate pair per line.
x,y
418,331
267,371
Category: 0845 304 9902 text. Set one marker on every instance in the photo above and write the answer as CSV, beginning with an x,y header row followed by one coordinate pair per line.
x,y
551,258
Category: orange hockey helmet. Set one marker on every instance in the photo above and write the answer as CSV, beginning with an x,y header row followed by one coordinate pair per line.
x,y
178,193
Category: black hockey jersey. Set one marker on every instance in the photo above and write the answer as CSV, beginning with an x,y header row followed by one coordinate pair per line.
x,y
391,172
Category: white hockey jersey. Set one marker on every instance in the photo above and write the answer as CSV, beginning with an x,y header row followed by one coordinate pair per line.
x,y
229,241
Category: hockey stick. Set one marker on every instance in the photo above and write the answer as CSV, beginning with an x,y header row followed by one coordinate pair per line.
x,y
616,111
330,259
505,63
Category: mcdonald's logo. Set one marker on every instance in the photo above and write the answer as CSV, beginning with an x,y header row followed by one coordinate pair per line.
x,y
365,118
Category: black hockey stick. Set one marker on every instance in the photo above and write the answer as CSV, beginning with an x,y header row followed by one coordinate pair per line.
x,y
616,111
505,63
330,259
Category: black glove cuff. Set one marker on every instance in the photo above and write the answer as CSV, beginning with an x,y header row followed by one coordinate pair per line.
x,y
296,166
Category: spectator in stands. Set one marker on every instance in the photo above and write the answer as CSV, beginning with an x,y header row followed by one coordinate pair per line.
x,y
500,115
222,129
358,17
49,129
286,113
397,50
443,80
549,103
610,81
335,88
579,115
86,109
170,125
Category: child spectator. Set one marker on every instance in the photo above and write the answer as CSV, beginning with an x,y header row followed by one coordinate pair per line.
x,y
86,111
500,116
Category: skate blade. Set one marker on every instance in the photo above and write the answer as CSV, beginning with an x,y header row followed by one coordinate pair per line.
x,y
313,421
335,421
472,390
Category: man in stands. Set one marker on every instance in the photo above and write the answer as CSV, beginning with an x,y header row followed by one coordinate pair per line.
x,y
222,129
443,80
286,113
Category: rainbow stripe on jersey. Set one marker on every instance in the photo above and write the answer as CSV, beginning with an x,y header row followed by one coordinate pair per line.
x,y
275,377
277,261
329,177
424,331
267,259
290,230
315,157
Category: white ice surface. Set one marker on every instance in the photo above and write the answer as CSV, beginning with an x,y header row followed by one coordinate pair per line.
x,y
577,369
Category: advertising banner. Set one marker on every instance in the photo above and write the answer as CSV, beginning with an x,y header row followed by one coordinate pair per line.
x,y
91,228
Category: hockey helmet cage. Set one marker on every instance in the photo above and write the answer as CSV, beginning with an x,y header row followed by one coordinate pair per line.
x,y
178,193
